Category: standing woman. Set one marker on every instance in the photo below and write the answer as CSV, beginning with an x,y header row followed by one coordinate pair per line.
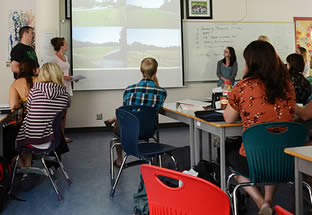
x,y
227,67
60,47
304,53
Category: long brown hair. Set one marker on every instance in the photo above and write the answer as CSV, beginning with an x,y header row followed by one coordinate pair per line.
x,y
263,63
27,68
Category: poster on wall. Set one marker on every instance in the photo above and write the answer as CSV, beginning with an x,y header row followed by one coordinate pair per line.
x,y
16,20
303,29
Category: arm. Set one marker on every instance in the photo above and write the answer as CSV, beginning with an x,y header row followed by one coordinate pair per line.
x,y
67,78
14,99
305,112
218,70
230,115
234,71
15,66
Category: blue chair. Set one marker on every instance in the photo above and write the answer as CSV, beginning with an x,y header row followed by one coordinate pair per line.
x,y
137,125
264,145
45,155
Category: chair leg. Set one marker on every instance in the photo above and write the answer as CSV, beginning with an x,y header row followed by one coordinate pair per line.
x,y
68,181
13,174
118,177
113,145
59,195
228,183
309,189
159,158
235,199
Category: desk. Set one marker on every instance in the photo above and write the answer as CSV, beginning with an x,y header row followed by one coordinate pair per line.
x,y
196,126
221,129
303,164
3,119
185,116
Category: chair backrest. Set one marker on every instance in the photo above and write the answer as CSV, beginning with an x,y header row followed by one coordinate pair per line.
x,y
264,145
57,129
196,196
148,118
281,211
135,123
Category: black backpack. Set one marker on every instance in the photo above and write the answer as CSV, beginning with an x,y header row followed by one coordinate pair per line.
x,y
5,181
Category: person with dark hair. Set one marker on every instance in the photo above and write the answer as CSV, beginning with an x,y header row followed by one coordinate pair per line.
x,y
306,57
20,88
295,66
60,47
264,95
23,50
227,67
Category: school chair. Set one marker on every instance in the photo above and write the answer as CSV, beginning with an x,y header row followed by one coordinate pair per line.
x,y
45,155
137,125
268,164
281,211
195,196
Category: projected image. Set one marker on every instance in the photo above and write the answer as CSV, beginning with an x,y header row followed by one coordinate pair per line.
x,y
130,13
97,47
111,37
159,43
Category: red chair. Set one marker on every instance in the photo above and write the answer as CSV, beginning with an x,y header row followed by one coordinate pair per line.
x,y
281,211
195,197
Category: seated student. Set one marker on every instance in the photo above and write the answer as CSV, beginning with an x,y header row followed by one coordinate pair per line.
x,y
295,66
147,92
47,97
21,86
264,38
264,95
306,57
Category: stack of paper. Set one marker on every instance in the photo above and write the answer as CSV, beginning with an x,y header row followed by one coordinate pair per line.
x,y
188,104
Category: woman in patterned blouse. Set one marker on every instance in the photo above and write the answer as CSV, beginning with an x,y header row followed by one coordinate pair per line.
x,y
264,95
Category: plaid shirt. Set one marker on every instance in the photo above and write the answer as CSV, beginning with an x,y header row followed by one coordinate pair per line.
x,y
145,93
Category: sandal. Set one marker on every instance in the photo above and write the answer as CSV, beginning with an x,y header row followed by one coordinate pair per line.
x,y
108,124
265,209
68,140
116,164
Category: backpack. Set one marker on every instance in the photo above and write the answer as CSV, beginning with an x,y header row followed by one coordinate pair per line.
x,y
140,200
209,171
5,182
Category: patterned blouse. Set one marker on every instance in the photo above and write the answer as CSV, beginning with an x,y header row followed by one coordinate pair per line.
x,y
248,99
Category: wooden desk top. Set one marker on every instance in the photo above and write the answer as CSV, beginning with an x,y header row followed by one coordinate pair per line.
x,y
304,152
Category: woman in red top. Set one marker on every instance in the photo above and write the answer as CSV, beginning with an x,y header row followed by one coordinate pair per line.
x,y
264,95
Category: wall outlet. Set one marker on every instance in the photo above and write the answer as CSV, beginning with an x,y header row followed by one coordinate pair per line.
x,y
99,116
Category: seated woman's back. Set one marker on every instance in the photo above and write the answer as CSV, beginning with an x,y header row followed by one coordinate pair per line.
x,y
295,65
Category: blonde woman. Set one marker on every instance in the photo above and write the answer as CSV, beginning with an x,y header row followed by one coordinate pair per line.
x,y
47,97
264,38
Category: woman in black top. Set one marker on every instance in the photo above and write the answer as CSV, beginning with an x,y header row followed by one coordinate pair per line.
x,y
227,67
295,65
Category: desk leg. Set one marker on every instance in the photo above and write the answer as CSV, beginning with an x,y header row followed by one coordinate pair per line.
x,y
197,145
222,159
1,140
298,189
192,142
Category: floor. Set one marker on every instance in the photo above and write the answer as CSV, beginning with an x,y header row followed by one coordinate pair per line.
x,y
88,166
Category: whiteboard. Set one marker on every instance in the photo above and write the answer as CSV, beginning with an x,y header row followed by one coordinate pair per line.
x,y
204,43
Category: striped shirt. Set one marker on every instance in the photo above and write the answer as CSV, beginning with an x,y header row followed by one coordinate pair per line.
x,y
145,93
44,101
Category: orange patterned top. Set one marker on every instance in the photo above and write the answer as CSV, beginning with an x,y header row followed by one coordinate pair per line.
x,y
248,99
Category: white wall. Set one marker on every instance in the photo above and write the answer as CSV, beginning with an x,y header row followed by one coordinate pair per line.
x,y
85,104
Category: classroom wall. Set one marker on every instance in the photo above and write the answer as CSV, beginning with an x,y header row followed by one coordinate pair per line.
x,y
86,104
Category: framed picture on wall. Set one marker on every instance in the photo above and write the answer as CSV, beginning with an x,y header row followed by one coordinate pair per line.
x,y
67,9
199,9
